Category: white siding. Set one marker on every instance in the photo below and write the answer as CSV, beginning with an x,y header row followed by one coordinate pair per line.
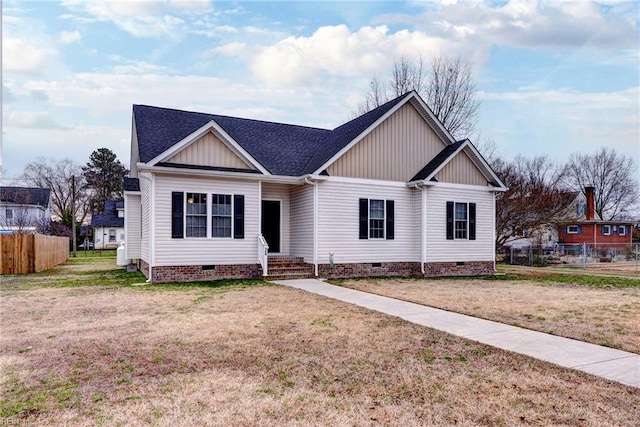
x,y
132,226
439,249
338,226
280,192
145,189
302,222
204,251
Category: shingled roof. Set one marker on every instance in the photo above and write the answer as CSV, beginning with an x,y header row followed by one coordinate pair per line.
x,y
26,195
282,149
110,216
438,160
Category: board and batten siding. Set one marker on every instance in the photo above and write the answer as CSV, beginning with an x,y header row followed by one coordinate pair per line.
x,y
132,226
338,224
208,150
302,222
439,249
461,170
281,193
394,151
145,190
204,251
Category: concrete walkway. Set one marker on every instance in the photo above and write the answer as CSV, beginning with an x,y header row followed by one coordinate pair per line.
x,y
615,365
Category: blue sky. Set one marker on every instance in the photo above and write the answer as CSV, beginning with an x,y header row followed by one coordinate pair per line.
x,y
554,77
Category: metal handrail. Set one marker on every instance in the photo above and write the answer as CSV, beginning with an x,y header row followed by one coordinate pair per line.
x,y
263,254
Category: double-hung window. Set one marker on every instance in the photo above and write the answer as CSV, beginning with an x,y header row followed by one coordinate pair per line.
x,y
461,221
606,230
622,230
221,215
377,219
196,215
9,213
112,235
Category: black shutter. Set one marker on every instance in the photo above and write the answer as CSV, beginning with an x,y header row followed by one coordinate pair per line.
x,y
238,216
364,218
449,220
177,215
390,220
472,221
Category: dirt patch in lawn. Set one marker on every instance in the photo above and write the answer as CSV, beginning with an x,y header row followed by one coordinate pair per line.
x,y
609,317
268,355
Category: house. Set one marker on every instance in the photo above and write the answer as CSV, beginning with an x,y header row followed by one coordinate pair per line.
x,y
24,209
390,192
591,230
108,227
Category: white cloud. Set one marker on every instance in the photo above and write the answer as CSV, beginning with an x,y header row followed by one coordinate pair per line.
x,y
68,37
31,120
337,51
21,56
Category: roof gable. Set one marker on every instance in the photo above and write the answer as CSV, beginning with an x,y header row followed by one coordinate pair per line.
x,y
209,150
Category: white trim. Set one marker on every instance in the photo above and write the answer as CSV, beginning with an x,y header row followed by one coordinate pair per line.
x,y
280,203
315,228
363,181
447,160
493,231
488,188
423,236
433,117
281,179
152,225
364,133
226,139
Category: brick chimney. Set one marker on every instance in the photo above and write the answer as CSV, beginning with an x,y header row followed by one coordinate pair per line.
x,y
591,204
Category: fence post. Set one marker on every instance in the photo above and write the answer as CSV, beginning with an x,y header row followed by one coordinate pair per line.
x,y
637,247
584,255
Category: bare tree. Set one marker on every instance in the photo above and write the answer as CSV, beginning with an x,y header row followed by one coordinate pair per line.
x,y
612,175
534,200
446,84
56,175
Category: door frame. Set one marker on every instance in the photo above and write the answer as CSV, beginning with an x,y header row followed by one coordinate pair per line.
x,y
280,202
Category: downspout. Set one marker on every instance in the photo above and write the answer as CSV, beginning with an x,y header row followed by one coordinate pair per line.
x,y
151,228
493,234
315,223
423,218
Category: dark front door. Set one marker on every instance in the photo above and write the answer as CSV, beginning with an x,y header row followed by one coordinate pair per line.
x,y
271,224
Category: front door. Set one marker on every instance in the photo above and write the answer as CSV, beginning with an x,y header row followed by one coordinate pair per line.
x,y
271,224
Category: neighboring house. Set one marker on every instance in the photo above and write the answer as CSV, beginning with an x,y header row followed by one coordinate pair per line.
x,y
388,193
108,227
24,209
590,229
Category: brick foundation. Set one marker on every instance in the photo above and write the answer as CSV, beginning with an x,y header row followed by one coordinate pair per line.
x,y
369,269
254,271
467,268
192,273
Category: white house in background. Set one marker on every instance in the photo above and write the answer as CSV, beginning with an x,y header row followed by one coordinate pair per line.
x,y
108,227
388,193
24,209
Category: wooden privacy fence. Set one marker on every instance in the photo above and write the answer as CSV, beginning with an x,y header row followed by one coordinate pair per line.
x,y
31,253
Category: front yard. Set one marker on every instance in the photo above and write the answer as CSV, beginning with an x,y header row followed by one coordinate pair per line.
x,y
91,349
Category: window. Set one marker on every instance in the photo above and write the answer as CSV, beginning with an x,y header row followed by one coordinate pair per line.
x,y
9,213
221,215
606,230
191,217
112,235
461,221
573,229
460,225
622,230
196,215
377,219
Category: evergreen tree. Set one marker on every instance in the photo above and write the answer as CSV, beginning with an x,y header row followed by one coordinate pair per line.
x,y
104,175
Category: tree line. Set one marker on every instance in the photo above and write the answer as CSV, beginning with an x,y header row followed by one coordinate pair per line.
x,y
79,190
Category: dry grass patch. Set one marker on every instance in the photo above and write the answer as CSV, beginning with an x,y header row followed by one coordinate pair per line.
x,y
603,316
268,355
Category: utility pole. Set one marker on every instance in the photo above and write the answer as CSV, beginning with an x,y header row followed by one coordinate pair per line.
x,y
73,213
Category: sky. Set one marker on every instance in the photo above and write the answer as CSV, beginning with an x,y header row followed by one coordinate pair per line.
x,y
554,77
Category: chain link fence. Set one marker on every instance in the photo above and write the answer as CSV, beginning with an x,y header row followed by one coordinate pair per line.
x,y
623,257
